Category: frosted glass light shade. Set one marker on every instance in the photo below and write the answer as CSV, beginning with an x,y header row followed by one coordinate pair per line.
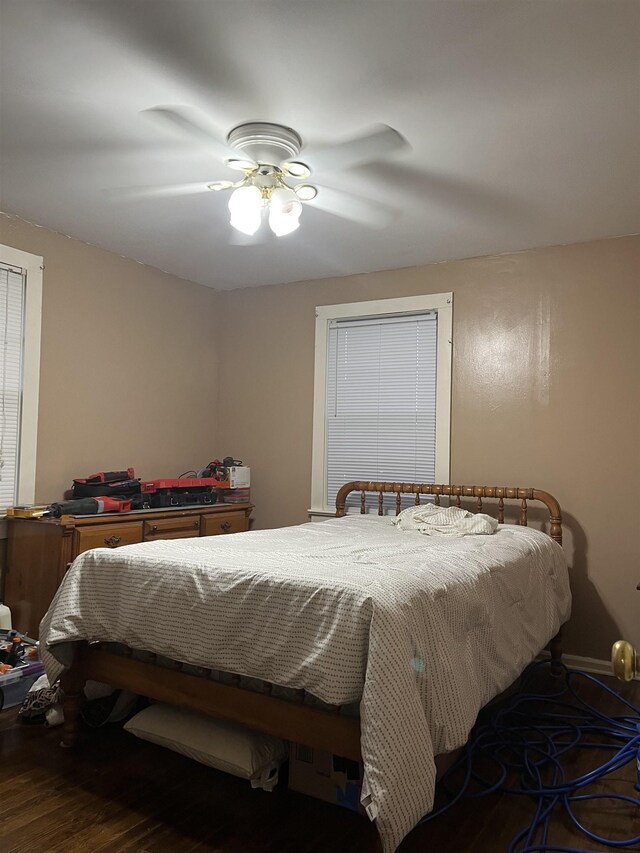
x,y
282,224
245,206
284,211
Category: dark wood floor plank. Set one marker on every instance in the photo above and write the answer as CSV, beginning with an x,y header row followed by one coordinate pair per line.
x,y
610,819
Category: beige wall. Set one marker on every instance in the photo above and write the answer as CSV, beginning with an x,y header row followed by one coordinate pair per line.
x,y
129,368
545,394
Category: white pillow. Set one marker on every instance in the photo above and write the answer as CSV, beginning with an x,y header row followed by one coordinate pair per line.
x,y
225,746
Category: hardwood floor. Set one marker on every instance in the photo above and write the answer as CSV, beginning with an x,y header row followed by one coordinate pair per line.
x,y
121,794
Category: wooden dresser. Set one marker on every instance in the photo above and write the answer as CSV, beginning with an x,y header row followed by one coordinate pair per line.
x,y
39,551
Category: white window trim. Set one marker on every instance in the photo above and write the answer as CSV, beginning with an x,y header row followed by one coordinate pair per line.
x,y
33,266
440,302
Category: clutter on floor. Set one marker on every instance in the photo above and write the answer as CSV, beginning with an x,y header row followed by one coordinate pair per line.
x,y
19,666
324,776
5,617
42,704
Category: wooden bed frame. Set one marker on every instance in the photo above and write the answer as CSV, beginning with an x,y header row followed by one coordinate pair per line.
x,y
315,727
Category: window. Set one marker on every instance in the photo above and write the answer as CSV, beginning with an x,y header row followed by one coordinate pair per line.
x,y
20,313
382,394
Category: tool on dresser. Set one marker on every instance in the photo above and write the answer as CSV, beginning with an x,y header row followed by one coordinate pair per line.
x,y
215,482
28,510
120,491
89,506
116,484
78,506
220,470
108,477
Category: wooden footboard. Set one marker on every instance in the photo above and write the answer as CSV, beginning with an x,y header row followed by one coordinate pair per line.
x,y
295,721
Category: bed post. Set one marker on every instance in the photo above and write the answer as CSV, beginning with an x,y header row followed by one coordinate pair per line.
x,y
72,683
555,647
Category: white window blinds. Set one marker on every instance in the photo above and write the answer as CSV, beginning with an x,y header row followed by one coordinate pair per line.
x,y
12,285
381,400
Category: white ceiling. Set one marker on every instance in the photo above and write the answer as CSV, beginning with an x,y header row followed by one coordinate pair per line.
x,y
523,120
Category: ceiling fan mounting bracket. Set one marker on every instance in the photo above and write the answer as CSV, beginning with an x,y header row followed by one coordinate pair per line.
x,y
265,142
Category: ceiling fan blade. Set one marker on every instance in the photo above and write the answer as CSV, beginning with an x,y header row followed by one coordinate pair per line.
x,y
348,206
162,190
446,191
211,68
178,119
376,144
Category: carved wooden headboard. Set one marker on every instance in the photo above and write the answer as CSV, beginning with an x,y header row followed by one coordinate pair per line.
x,y
501,493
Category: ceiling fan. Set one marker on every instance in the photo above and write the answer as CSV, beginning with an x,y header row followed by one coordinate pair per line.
x,y
274,174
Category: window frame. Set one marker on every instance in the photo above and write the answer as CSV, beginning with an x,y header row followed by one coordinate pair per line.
x,y
33,266
442,304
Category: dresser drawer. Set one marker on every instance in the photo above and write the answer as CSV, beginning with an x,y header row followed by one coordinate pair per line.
x,y
172,528
107,536
224,522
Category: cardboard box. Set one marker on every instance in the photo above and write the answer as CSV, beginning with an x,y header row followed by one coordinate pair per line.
x,y
325,776
239,477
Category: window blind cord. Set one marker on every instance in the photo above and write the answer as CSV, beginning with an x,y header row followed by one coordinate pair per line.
x,y
528,738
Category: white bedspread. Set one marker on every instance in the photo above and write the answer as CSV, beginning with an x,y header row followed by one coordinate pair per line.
x,y
422,630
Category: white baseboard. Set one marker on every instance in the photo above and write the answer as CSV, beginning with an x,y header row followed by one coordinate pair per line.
x,y
593,665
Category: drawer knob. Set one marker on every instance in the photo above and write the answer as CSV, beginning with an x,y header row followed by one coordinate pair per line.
x,y
113,541
226,526
196,524
154,527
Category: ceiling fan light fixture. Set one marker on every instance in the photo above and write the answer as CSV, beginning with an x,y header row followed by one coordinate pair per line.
x,y
297,169
305,192
284,211
245,207
284,200
283,223
241,165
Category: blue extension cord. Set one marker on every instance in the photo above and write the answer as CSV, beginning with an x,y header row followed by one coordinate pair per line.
x,y
529,739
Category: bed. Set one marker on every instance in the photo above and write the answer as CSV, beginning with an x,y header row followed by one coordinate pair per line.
x,y
419,631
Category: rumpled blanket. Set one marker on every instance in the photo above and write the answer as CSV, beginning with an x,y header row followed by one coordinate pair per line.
x,y
445,521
